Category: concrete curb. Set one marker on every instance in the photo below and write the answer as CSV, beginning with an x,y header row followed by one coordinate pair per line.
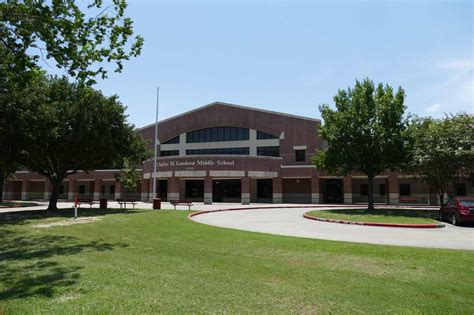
x,y
399,225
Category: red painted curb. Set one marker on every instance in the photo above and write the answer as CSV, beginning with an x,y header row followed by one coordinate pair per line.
x,y
415,226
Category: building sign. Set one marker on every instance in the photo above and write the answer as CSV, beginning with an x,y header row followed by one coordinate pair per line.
x,y
188,163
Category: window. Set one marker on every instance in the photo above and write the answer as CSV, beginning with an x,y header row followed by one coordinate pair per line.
x,y
405,190
169,153
264,135
300,155
172,140
82,189
382,189
364,189
268,151
217,134
112,189
103,190
223,151
461,189
61,189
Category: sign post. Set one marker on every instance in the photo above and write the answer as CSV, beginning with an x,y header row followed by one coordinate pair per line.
x,y
75,207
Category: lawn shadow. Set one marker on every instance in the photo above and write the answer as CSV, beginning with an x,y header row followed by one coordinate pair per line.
x,y
29,265
22,217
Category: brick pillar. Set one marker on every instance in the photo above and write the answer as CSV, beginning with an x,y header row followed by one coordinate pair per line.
x,y
393,190
315,189
347,189
207,190
433,197
144,189
47,190
173,188
245,190
277,190
71,189
25,187
118,190
97,189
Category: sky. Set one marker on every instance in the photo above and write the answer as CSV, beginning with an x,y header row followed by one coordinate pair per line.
x,y
292,56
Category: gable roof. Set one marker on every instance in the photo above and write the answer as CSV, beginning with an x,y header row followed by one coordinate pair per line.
x,y
230,105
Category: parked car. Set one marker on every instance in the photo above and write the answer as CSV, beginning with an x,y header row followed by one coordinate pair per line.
x,y
457,210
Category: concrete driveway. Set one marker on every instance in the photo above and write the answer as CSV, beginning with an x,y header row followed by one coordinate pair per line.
x,y
290,222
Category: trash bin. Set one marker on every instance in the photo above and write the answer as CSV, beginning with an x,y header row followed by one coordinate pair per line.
x,y
156,203
103,203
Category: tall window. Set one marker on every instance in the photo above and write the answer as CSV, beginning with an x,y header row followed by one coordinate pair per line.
x,y
172,140
169,153
220,151
217,134
82,189
364,189
268,151
264,135
300,155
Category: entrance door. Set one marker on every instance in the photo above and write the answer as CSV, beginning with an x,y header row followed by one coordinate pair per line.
x,y
333,191
194,190
226,190
163,190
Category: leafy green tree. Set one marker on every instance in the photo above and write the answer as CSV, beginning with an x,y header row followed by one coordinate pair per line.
x,y
366,132
79,39
76,128
442,151
129,179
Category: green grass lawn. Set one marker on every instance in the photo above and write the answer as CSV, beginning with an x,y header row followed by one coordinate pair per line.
x,y
400,216
159,261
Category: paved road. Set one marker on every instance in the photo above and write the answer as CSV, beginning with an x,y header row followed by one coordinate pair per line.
x,y
290,222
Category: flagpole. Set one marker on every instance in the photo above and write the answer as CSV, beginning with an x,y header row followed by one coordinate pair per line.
x,y
156,141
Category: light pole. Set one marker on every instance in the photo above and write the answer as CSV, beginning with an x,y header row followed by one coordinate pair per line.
x,y
156,140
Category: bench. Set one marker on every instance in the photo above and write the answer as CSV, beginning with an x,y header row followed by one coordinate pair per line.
x,y
181,203
123,202
88,201
408,199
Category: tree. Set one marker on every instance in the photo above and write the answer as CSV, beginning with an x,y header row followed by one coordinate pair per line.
x,y
366,132
129,178
75,128
442,151
78,39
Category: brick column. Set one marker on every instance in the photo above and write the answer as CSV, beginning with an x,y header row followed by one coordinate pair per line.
x,y
47,190
347,189
207,190
144,189
315,189
433,197
71,189
245,190
277,190
25,187
118,190
173,188
97,189
393,190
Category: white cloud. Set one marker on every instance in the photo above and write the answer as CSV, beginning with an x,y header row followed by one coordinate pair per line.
x,y
433,108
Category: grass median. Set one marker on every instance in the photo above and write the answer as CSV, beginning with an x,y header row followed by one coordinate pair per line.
x,y
159,261
395,216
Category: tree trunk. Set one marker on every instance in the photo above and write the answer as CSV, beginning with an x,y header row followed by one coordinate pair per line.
x,y
441,198
2,182
53,199
370,187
